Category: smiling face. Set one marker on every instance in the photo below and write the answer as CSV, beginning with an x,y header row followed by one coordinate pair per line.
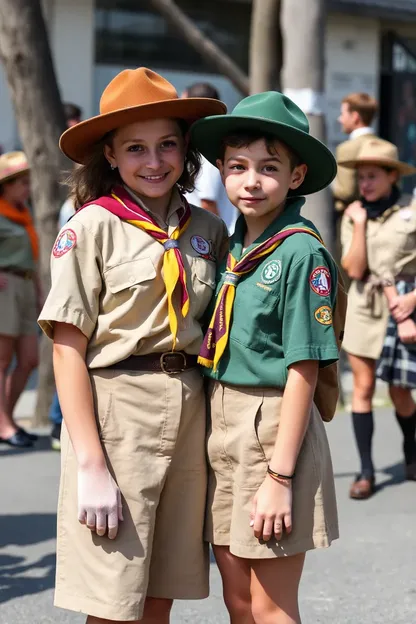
x,y
149,156
375,182
258,177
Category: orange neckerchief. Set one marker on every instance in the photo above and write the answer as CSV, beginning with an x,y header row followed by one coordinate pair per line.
x,y
21,217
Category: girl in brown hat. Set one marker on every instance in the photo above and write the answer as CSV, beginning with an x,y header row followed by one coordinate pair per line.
x,y
379,254
132,274
19,292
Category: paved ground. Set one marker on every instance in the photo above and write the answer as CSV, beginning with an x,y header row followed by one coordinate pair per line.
x,y
367,577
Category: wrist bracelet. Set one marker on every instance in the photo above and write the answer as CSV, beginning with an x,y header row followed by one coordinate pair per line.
x,y
278,475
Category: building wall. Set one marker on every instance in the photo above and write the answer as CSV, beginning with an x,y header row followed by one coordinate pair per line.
x,y
353,64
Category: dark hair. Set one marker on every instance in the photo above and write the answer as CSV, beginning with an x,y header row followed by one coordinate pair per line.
x,y
244,138
363,104
96,178
72,111
202,90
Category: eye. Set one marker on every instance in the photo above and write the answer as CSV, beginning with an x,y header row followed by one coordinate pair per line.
x,y
135,148
168,144
270,169
236,167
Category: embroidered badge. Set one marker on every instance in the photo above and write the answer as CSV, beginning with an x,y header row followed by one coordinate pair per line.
x,y
324,315
202,247
64,243
320,281
272,272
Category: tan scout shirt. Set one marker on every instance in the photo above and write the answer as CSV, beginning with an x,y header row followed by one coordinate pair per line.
x,y
391,251
110,285
345,187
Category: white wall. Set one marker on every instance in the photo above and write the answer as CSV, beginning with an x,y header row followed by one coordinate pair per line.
x,y
352,64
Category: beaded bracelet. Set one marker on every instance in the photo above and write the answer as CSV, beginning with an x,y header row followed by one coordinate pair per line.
x,y
276,475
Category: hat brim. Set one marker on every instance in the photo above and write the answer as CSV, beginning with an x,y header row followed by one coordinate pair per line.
x,y
207,135
78,141
15,174
404,169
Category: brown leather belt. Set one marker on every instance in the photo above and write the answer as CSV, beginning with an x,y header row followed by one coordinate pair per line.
x,y
170,362
27,275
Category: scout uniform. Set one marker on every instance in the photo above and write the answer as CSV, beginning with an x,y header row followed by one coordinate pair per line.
x,y
110,280
389,250
18,255
281,314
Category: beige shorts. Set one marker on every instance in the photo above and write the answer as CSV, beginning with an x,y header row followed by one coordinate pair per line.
x,y
18,307
241,438
153,429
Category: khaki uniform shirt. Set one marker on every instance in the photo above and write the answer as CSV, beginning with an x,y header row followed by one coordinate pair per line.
x,y
391,252
15,247
107,281
345,187
282,310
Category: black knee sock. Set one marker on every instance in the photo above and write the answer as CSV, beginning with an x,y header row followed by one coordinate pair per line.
x,y
408,426
363,424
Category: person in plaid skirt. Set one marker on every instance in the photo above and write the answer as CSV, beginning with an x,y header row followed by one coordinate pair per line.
x,y
379,255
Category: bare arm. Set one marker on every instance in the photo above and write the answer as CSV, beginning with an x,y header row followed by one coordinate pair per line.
x,y
272,505
210,205
355,260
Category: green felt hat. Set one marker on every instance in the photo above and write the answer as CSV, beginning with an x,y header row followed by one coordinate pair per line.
x,y
274,114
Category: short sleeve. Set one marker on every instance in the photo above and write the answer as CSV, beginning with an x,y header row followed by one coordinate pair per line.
x,y
347,229
76,281
310,296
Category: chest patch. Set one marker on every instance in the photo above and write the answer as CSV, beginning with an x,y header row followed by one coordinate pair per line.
x,y
202,247
64,243
320,281
323,315
272,272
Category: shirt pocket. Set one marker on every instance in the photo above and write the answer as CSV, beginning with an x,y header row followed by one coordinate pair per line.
x,y
405,234
203,285
252,319
131,275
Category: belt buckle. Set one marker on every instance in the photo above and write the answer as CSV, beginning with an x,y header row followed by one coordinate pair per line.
x,y
164,362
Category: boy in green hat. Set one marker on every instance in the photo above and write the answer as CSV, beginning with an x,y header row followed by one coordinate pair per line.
x,y
271,493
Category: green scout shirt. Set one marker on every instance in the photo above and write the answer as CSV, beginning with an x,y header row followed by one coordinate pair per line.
x,y
15,247
282,311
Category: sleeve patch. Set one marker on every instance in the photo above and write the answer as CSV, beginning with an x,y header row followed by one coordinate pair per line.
x,y
320,281
66,241
323,315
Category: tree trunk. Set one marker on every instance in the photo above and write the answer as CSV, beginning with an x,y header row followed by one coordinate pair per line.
x,y
265,46
25,53
206,48
303,30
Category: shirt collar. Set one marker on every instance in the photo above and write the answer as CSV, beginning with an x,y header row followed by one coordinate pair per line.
x,y
361,132
289,216
176,204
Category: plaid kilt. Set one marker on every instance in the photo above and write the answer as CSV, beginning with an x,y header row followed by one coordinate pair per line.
x,y
397,363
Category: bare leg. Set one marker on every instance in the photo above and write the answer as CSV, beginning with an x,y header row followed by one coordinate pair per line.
x,y
364,374
27,361
403,401
156,611
7,426
274,589
235,574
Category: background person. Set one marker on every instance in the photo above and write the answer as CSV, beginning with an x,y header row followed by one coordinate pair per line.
x,y
20,292
379,255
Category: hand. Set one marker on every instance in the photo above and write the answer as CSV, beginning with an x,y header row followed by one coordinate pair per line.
x,y
407,331
99,501
356,212
402,306
3,281
272,509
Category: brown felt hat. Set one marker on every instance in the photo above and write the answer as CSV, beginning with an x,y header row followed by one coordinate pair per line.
x,y
134,95
381,153
12,164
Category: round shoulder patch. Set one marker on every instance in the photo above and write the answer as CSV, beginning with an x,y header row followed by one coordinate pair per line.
x,y
272,272
64,243
200,245
320,281
323,315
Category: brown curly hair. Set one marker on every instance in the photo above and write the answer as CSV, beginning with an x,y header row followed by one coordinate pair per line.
x,y
96,178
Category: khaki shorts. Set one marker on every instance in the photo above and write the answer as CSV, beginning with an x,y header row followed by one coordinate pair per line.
x,y
153,429
244,425
18,307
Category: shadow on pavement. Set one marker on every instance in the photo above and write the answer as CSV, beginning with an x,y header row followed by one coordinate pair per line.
x,y
42,444
395,473
26,529
18,579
